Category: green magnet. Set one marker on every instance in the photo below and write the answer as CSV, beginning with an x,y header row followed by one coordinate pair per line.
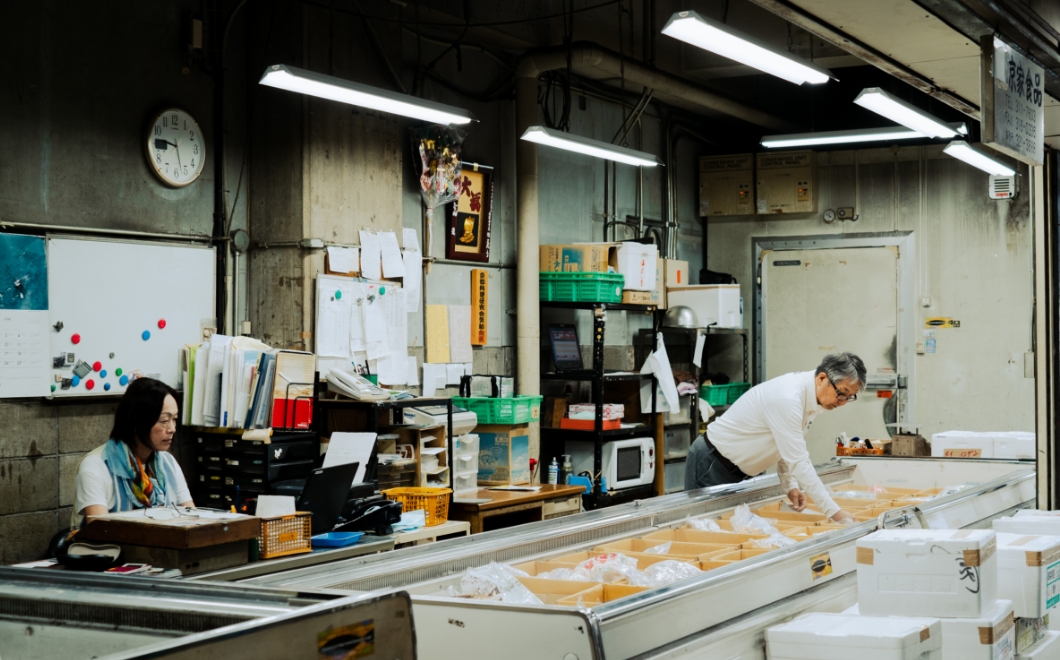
x,y
338,295
382,290
53,388
117,372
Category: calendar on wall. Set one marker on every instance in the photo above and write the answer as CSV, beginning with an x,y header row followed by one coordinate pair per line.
x,y
23,316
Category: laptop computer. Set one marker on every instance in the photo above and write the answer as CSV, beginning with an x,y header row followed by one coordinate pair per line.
x,y
566,353
325,493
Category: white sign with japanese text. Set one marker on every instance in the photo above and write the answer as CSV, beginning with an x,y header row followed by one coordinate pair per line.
x,y
1013,102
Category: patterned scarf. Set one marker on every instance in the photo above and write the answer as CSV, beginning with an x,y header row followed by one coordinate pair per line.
x,y
138,485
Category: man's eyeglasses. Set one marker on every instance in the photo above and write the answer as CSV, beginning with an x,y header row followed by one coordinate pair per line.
x,y
839,395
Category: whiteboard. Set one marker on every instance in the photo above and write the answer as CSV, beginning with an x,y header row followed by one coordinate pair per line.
x,y
109,293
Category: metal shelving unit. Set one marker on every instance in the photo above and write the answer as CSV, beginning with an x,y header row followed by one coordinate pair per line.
x,y
598,376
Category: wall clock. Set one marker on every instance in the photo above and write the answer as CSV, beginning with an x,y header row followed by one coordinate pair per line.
x,y
175,148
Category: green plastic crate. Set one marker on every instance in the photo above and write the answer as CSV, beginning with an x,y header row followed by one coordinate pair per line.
x,y
714,395
581,287
736,390
516,410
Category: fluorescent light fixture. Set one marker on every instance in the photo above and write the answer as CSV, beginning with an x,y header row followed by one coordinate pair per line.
x,y
824,138
691,28
582,145
298,80
906,114
961,150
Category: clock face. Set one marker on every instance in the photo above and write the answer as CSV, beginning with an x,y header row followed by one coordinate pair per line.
x,y
175,148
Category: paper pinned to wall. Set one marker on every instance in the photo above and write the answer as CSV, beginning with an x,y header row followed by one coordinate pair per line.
x,y
371,266
347,448
469,369
460,333
410,240
697,355
373,309
390,254
413,377
343,259
334,318
413,260
453,373
437,331
393,369
433,378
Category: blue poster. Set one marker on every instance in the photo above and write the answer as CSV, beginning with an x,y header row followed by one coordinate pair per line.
x,y
23,273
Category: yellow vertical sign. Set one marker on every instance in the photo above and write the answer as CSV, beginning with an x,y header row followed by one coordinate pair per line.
x,y
480,290
437,331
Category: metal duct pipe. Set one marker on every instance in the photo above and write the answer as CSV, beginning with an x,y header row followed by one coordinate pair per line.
x,y
528,324
589,58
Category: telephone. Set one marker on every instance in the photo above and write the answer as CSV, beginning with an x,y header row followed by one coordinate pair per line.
x,y
354,386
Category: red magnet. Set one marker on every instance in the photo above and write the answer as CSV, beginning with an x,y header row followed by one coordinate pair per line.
x,y
76,338
161,323
96,366
89,384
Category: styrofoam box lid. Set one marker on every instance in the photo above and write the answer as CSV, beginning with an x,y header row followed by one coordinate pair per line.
x,y
1038,525
1033,550
1037,513
807,635
702,287
970,434
920,541
992,616
1046,648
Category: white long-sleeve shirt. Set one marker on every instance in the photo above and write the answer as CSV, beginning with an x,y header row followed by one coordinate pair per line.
x,y
767,426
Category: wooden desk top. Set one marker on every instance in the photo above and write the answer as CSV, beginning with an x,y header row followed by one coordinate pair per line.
x,y
500,499
180,533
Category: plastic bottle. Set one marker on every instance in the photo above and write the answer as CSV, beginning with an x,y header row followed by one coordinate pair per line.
x,y
566,470
553,472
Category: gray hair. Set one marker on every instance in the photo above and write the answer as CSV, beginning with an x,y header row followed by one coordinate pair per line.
x,y
842,367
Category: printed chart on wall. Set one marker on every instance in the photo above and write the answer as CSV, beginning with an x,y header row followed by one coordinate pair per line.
x,y
123,309
23,316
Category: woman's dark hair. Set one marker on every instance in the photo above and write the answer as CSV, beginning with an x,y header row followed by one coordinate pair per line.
x,y
139,410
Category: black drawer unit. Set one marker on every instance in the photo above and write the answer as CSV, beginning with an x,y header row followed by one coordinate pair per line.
x,y
226,462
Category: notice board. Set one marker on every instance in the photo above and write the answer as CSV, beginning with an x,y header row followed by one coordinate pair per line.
x,y
123,309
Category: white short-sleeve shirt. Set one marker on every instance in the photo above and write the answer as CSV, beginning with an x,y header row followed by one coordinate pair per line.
x,y
95,484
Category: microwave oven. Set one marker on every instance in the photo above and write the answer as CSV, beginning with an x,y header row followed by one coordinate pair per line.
x,y
625,463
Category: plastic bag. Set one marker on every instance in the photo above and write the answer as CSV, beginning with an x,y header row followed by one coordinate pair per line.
x,y
610,567
952,490
855,494
661,549
664,572
436,160
774,541
705,524
493,582
563,574
745,522
517,572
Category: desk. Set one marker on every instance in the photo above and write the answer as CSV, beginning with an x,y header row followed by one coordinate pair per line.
x,y
508,508
430,534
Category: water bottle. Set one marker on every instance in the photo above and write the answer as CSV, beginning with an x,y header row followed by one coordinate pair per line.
x,y
553,472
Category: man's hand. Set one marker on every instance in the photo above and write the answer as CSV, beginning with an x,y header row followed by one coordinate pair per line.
x,y
797,499
844,518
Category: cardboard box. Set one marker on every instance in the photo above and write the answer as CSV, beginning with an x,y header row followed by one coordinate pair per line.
x,y
1046,648
713,303
579,258
826,636
553,409
675,272
640,297
927,572
504,454
1030,521
601,593
726,185
991,636
905,444
638,263
1028,633
1029,572
963,444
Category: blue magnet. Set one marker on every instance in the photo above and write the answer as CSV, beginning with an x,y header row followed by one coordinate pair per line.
x,y
146,335
106,386
75,381
102,373
338,295
124,380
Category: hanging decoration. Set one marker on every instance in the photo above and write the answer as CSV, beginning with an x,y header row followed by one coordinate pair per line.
x,y
436,156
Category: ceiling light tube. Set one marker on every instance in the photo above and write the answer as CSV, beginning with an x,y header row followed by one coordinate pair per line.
x,y
975,157
298,80
906,114
691,28
824,138
582,145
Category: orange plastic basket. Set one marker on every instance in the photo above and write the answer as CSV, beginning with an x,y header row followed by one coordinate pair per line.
x,y
286,535
433,501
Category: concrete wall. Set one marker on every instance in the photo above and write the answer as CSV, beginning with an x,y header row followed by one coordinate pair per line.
x,y
974,263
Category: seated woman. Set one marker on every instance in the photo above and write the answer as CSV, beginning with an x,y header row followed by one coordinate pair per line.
x,y
133,469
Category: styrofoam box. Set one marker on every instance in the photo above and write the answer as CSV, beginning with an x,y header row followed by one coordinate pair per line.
x,y
927,572
963,444
639,264
1029,572
712,303
1047,648
825,636
991,636
1030,521
1016,444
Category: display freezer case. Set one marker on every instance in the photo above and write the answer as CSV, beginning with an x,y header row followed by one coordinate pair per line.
x,y
720,613
47,614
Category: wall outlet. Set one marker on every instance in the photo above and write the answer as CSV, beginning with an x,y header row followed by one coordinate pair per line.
x,y
925,302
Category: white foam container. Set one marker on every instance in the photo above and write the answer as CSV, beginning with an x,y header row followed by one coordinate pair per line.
x,y
926,572
825,636
639,264
963,444
1046,648
1016,444
712,303
1030,521
1029,572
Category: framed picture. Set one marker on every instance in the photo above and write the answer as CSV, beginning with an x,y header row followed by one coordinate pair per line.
x,y
470,224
